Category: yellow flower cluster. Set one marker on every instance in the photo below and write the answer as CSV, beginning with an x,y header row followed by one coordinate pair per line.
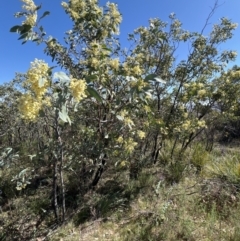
x,y
129,145
201,124
94,48
106,20
132,70
191,125
29,5
139,84
123,163
114,64
76,8
235,74
141,134
139,57
114,13
116,17
136,70
29,107
78,88
194,90
37,77
31,17
95,51
37,81
186,125
123,113
147,108
146,124
94,62
127,121
97,10
201,93
31,20
120,139
53,45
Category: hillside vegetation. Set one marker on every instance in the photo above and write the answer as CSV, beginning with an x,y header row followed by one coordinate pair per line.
x,y
121,144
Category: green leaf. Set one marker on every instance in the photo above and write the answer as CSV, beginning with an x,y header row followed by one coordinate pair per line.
x,y
25,28
91,78
38,7
160,80
154,77
76,107
44,14
150,77
36,39
15,28
120,117
25,35
108,49
93,93
41,113
61,76
63,115
32,36
23,172
53,56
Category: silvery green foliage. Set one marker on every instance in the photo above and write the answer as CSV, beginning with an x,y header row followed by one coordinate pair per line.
x,y
8,157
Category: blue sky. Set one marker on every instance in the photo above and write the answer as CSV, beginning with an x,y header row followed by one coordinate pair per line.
x,y
15,57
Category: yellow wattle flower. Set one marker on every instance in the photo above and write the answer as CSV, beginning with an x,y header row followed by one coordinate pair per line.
x,y
29,5
114,63
29,107
37,77
141,134
77,88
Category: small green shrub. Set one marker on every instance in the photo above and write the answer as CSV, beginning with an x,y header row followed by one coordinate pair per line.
x,y
199,157
175,171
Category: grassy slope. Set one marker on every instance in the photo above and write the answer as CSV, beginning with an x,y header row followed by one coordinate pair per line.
x,y
203,205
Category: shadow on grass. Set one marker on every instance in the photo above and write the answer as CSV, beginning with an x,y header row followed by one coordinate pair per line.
x,y
108,199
